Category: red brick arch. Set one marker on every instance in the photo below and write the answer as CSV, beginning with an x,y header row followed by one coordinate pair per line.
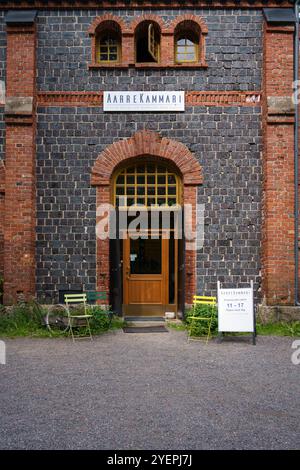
x,y
147,17
141,145
147,143
103,19
193,18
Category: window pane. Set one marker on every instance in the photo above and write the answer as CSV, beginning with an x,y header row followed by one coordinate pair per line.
x,y
141,190
190,57
130,179
141,179
151,201
161,179
120,179
189,42
171,201
120,190
145,256
161,201
171,179
103,56
151,179
180,57
130,190
112,57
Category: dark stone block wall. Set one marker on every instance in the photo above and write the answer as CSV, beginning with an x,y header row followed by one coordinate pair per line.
x,y
227,142
234,53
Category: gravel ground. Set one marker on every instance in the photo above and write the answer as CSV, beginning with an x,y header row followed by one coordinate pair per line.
x,y
149,391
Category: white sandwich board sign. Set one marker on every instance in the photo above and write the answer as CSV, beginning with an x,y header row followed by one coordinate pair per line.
x,y
236,310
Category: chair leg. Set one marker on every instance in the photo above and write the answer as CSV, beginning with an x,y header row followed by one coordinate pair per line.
x,y
71,330
89,329
208,333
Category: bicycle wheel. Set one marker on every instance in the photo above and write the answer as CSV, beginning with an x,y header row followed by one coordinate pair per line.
x,y
57,320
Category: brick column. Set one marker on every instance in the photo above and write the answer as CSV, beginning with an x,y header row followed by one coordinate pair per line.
x,y
278,167
19,233
2,218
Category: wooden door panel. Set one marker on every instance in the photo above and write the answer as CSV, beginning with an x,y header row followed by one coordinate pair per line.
x,y
145,289
145,292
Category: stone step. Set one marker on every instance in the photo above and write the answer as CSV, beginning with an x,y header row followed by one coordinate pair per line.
x,y
144,321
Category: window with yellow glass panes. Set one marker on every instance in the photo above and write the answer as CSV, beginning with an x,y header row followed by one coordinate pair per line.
x,y
148,184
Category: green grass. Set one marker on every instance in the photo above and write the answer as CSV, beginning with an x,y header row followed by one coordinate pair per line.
x,y
270,329
279,329
177,326
27,319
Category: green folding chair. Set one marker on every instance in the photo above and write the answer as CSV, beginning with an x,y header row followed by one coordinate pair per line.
x,y
94,297
202,300
80,300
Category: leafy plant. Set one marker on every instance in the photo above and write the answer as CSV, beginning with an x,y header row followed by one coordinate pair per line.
x,y
200,327
279,328
22,319
101,320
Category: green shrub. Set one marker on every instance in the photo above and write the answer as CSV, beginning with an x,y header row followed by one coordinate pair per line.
x,y
200,327
24,318
279,328
101,318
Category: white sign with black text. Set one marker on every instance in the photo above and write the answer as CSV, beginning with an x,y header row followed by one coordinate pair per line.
x,y
143,101
236,310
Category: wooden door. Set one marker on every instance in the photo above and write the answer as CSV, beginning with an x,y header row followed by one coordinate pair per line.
x,y
145,276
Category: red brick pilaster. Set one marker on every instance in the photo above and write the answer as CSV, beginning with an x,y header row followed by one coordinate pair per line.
x,y
102,253
2,212
278,168
19,235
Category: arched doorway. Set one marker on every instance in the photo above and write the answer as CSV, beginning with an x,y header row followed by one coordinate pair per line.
x,y
145,147
147,195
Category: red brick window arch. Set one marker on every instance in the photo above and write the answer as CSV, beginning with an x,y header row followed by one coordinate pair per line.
x,y
189,41
106,33
108,44
148,42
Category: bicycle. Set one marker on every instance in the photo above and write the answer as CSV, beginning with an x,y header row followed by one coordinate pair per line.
x,y
57,319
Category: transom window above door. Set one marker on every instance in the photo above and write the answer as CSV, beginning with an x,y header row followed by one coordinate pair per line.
x,y
148,184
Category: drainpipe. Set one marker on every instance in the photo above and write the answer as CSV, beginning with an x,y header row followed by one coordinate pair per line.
x,y
296,154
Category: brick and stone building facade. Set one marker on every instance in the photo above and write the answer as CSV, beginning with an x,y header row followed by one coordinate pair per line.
x,y
232,146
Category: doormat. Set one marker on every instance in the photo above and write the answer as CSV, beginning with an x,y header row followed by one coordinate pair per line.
x,y
145,329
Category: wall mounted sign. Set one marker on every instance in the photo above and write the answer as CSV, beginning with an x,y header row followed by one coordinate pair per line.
x,y
143,101
236,310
